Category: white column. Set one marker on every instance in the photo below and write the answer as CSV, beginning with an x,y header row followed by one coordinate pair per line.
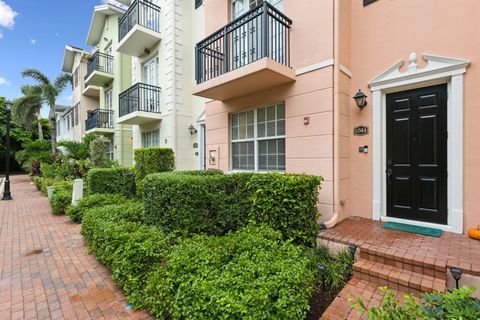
x,y
377,154
455,144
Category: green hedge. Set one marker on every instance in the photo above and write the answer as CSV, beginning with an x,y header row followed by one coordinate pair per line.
x,y
250,274
215,203
106,228
116,180
61,197
92,201
153,160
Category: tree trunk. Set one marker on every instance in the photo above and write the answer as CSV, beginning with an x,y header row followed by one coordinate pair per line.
x,y
53,129
39,125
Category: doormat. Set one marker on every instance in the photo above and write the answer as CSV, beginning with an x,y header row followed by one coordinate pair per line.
x,y
430,232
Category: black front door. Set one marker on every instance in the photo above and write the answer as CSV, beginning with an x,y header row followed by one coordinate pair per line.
x,y
417,154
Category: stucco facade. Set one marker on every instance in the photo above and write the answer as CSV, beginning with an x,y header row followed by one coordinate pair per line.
x,y
337,47
169,65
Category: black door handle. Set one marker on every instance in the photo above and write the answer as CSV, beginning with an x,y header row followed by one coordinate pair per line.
x,y
389,175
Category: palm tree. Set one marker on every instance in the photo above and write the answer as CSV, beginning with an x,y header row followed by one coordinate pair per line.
x,y
49,94
26,109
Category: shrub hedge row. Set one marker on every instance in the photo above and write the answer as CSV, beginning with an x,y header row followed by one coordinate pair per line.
x,y
247,274
215,204
117,180
91,201
62,197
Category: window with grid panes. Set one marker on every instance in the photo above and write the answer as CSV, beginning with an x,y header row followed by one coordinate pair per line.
x,y
258,139
151,139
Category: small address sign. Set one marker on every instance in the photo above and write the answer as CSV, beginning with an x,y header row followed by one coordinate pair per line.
x,y
360,131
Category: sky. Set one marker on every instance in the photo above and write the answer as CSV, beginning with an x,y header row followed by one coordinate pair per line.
x,y
33,34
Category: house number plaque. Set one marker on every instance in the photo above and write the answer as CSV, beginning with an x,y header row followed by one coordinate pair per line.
x,y
360,131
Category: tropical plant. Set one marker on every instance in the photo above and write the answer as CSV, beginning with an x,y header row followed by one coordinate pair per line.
x,y
99,149
26,109
49,94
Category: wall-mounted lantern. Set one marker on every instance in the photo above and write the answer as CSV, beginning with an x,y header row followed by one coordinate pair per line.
x,y
360,99
192,130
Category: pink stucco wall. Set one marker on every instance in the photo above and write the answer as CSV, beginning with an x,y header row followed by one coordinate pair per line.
x,y
387,31
366,41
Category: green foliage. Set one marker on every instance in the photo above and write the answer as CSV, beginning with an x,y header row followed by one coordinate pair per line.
x,y
75,150
187,203
457,304
106,228
250,274
43,183
62,197
117,180
93,201
338,268
99,152
60,201
152,160
286,202
143,250
213,203
32,154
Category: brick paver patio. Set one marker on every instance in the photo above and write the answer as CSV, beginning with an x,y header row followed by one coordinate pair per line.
x,y
45,269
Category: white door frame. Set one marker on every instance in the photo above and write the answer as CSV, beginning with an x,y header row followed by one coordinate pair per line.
x,y
439,70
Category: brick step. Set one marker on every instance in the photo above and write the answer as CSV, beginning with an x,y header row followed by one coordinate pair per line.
x,y
418,263
397,278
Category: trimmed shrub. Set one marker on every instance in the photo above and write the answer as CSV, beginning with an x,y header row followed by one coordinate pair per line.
x,y
286,202
457,304
152,160
185,203
250,274
142,251
60,201
106,228
99,149
116,180
62,197
93,201
215,203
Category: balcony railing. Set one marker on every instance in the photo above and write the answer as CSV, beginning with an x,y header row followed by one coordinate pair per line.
x,y
99,62
141,12
99,118
140,97
262,32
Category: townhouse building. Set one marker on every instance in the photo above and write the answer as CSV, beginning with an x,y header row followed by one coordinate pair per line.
x,y
159,37
378,97
137,81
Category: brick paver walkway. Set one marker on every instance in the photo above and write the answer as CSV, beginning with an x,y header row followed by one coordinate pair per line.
x,y
45,269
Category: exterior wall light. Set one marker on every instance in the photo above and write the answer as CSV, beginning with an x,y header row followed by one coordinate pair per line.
x,y
192,130
360,99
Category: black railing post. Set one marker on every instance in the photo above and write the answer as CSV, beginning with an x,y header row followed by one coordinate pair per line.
x,y
225,50
265,29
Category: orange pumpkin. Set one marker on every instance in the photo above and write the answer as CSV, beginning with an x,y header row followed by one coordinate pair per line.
x,y
474,233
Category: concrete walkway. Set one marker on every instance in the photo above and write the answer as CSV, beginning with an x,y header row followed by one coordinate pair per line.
x,y
45,269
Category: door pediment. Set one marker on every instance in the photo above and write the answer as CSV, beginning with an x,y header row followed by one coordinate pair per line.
x,y
435,65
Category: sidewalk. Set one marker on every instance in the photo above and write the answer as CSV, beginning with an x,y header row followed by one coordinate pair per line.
x,y
45,269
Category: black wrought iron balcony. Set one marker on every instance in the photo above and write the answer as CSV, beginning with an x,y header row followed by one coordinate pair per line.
x,y
141,12
99,62
260,33
140,97
99,119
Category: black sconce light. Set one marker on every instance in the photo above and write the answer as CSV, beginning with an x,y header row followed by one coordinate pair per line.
x,y
360,99
146,51
192,130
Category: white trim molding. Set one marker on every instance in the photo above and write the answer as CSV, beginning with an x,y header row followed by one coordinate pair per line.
x,y
316,66
346,71
437,71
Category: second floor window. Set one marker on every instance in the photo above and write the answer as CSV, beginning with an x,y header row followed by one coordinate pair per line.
x,y
239,7
150,72
109,100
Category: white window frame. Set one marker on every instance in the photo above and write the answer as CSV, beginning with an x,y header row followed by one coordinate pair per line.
x,y
255,138
108,97
145,67
150,137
